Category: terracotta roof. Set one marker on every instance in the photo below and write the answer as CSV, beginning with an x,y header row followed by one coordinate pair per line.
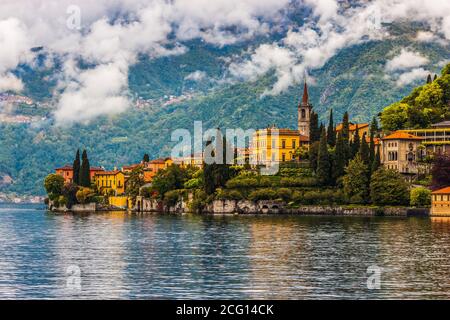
x,y
132,166
158,161
69,167
398,135
375,140
445,190
352,126
108,173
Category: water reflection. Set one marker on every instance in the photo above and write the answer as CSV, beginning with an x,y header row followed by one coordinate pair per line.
x,y
157,256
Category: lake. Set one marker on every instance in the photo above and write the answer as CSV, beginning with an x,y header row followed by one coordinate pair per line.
x,y
116,255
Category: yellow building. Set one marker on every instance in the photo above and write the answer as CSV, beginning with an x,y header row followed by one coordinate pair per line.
x,y
110,182
440,202
276,145
436,139
195,160
153,166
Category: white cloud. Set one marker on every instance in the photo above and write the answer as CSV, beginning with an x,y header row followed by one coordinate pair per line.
x,y
9,82
412,76
196,76
406,60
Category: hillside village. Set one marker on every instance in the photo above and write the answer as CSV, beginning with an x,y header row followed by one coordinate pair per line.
x,y
345,164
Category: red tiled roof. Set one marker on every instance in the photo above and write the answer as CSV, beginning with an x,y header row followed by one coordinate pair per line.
x,y
398,135
108,173
445,190
132,166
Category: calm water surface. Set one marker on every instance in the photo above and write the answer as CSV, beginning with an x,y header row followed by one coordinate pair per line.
x,y
275,257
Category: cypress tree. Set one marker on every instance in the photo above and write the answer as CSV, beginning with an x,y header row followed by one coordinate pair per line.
x,y
365,152
85,177
313,154
371,148
76,168
355,144
331,132
374,126
339,158
429,79
323,160
377,161
146,158
314,133
345,127
435,77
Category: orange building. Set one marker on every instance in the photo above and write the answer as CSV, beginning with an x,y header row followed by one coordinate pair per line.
x,y
153,166
67,172
363,128
440,202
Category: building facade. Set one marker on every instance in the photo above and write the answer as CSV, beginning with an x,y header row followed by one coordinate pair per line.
x,y
276,145
436,139
400,151
67,172
110,182
440,202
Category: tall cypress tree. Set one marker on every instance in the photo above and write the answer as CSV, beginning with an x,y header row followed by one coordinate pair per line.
x,y
371,148
76,168
429,79
323,160
146,158
85,177
365,152
374,126
355,144
377,161
339,158
331,132
314,133
345,127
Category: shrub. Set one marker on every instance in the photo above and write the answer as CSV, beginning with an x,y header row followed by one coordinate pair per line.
x,y
84,195
263,194
420,197
229,194
321,197
285,194
62,201
298,182
199,202
193,183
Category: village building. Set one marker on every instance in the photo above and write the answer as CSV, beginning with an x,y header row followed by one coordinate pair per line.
x,y
361,128
67,172
274,145
435,139
110,182
440,202
400,151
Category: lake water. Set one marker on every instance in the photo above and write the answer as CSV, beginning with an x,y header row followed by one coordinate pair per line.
x,y
127,256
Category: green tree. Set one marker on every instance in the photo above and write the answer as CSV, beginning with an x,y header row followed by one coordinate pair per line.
x,y
388,188
345,127
331,131
323,161
395,117
85,176
364,151
420,197
313,155
54,184
76,168
371,148
376,161
69,191
429,79
146,158
314,133
355,144
339,158
171,178
134,182
356,181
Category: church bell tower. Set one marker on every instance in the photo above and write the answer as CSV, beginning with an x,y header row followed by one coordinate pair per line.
x,y
304,113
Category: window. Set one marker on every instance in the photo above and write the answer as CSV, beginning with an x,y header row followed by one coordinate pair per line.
x,y
283,144
303,114
283,157
293,144
274,143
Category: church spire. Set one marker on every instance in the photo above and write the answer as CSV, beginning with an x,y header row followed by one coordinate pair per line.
x,y
305,100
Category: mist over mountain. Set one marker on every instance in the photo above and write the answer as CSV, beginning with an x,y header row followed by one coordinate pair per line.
x,y
121,100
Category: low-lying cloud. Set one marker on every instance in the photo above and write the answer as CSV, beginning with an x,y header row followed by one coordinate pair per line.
x,y
112,33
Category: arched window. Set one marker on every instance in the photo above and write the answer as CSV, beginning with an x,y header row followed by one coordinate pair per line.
x,y
303,114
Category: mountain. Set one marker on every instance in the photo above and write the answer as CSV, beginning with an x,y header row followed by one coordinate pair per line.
x,y
169,98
